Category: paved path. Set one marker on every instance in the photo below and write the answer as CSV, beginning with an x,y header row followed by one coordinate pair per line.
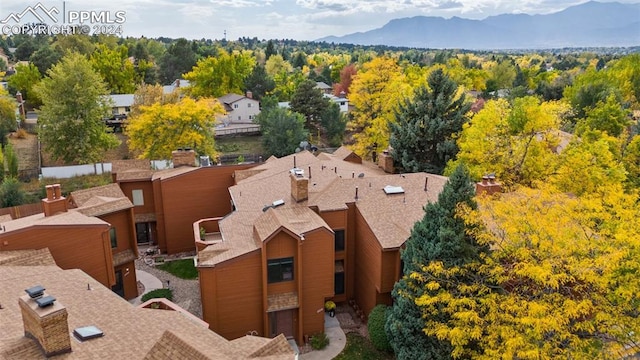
x,y
149,281
337,341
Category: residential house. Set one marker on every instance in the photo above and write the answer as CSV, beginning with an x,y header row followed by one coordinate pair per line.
x,y
168,202
92,231
121,104
76,240
240,109
109,204
76,317
322,86
177,84
306,229
276,240
120,108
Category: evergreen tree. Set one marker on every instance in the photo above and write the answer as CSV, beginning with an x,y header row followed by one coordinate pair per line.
x,y
179,59
282,130
423,136
270,50
10,193
334,124
259,82
309,101
12,160
439,236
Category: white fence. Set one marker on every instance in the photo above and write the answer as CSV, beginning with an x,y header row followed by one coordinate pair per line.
x,y
64,172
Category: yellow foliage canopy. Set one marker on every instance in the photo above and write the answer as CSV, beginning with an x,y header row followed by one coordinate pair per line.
x,y
161,128
561,280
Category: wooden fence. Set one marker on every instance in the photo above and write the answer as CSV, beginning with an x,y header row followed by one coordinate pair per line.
x,y
20,211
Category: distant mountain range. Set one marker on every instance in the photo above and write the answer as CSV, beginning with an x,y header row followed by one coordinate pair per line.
x,y
592,24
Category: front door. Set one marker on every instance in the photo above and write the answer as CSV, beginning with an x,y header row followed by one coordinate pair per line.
x,y
118,288
143,232
282,323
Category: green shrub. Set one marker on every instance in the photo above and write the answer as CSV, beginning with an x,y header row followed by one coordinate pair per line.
x,y
319,341
158,293
375,326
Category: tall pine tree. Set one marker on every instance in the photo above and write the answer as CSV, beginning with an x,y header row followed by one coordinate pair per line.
x,y
423,135
439,236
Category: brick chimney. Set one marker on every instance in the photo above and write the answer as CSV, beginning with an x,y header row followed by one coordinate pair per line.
x,y
385,161
299,185
55,202
249,94
46,324
488,185
182,157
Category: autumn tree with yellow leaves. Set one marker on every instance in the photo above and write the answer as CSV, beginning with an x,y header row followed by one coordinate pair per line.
x,y
375,93
161,128
560,282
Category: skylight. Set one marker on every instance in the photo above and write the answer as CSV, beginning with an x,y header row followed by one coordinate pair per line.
x,y
87,333
278,203
393,190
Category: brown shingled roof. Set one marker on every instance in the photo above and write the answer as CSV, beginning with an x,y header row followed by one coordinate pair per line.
x,y
129,332
297,219
118,166
332,184
60,219
100,200
40,257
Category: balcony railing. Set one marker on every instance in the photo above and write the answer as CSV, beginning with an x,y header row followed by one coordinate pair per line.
x,y
207,232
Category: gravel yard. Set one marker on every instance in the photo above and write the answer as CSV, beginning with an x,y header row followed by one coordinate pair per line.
x,y
186,293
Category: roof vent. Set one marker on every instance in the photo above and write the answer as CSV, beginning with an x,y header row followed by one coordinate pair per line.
x,y
297,172
393,190
87,333
205,161
45,301
35,291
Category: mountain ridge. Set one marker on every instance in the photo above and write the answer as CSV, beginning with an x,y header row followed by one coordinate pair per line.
x,y
591,24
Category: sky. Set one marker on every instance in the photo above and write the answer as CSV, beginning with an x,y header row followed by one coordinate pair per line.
x,y
266,19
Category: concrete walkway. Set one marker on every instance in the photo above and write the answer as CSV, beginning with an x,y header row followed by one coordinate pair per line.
x,y
337,341
149,281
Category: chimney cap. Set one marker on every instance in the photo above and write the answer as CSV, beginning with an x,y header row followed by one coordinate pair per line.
x,y
35,291
45,301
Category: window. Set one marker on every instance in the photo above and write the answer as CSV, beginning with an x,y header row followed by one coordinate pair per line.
x,y
250,117
339,240
114,238
279,270
235,106
138,197
239,118
248,104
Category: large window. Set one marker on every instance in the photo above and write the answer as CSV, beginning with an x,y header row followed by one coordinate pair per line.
x,y
339,240
114,238
279,270
138,197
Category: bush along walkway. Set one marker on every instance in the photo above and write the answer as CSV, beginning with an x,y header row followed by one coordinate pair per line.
x,y
186,293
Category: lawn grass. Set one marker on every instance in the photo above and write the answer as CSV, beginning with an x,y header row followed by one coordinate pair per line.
x,y
239,145
359,347
183,269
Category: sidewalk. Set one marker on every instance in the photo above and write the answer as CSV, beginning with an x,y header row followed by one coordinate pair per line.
x,y
337,341
149,281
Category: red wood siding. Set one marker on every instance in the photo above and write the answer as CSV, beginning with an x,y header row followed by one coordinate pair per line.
x,y
73,247
368,265
232,296
317,279
192,196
